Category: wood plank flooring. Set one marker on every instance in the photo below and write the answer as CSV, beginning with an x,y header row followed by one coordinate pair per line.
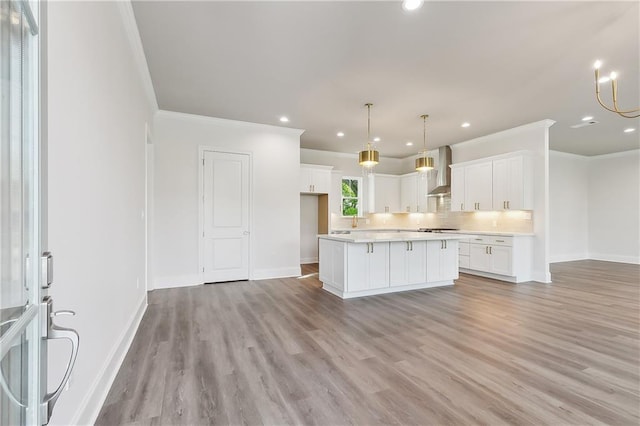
x,y
283,351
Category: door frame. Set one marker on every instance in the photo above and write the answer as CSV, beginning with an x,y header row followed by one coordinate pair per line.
x,y
202,149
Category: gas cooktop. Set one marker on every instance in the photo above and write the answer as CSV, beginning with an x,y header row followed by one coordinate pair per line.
x,y
437,229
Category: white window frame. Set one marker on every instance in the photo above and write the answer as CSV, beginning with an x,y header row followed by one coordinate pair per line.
x,y
359,197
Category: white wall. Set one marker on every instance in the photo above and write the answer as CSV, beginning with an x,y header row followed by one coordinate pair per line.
x,y
568,207
275,203
532,137
97,111
308,228
614,203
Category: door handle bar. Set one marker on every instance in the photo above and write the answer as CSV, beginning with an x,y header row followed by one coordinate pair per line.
x,y
54,332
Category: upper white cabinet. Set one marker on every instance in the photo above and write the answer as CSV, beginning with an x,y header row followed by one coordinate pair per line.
x,y
513,183
409,193
315,179
478,187
387,193
502,182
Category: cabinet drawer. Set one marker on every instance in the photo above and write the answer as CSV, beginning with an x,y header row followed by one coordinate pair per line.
x,y
501,241
492,240
463,261
463,249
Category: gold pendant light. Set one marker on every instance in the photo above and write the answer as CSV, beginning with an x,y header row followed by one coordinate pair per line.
x,y
424,163
369,157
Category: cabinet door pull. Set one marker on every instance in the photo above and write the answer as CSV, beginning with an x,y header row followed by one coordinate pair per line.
x,y
461,206
490,251
499,241
407,243
486,250
445,244
508,206
411,243
504,205
371,247
367,248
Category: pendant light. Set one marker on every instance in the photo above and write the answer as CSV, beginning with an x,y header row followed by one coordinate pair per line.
x,y
424,163
369,157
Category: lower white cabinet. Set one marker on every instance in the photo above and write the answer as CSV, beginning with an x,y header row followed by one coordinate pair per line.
x,y
506,258
407,262
368,266
442,260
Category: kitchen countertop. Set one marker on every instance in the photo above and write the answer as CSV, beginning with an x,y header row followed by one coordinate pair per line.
x,y
502,234
374,237
461,231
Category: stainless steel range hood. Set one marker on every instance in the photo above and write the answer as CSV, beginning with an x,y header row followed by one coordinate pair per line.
x,y
444,173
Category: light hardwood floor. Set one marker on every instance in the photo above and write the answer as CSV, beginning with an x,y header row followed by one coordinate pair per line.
x,y
283,351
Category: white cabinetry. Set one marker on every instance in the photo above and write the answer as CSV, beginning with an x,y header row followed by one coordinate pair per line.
x,y
471,187
457,189
513,183
442,260
332,262
387,193
506,258
368,266
315,179
409,193
503,182
407,264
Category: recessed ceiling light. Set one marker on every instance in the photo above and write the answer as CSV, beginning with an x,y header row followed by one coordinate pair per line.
x,y
410,5
587,118
629,130
465,125
340,134
376,139
409,143
284,119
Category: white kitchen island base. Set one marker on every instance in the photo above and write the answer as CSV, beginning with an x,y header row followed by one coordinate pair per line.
x,y
369,264
345,295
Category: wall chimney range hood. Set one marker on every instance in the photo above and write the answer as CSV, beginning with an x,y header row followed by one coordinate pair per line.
x,y
444,173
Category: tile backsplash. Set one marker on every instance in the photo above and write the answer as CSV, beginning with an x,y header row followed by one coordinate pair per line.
x,y
499,221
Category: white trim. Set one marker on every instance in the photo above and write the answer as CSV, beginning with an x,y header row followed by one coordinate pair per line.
x,y
615,154
607,257
396,289
176,281
229,123
542,124
568,257
90,407
133,35
306,260
543,277
201,151
568,155
267,274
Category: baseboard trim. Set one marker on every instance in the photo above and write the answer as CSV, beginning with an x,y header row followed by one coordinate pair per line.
x,y
396,289
89,409
568,257
177,281
615,258
306,260
266,274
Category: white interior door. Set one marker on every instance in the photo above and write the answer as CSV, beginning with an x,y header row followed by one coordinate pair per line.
x,y
225,216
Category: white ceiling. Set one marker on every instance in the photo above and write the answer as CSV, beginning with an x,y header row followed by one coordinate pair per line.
x,y
496,65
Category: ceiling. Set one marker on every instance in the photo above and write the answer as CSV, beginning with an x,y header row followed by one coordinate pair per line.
x,y
495,65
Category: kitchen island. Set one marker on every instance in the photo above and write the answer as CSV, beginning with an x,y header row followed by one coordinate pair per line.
x,y
364,264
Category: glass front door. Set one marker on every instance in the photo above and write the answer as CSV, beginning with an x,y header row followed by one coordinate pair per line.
x,y
21,389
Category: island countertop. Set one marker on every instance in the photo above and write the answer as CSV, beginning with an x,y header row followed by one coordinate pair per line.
x,y
378,237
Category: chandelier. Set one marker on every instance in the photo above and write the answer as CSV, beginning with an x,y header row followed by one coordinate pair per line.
x,y
613,77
